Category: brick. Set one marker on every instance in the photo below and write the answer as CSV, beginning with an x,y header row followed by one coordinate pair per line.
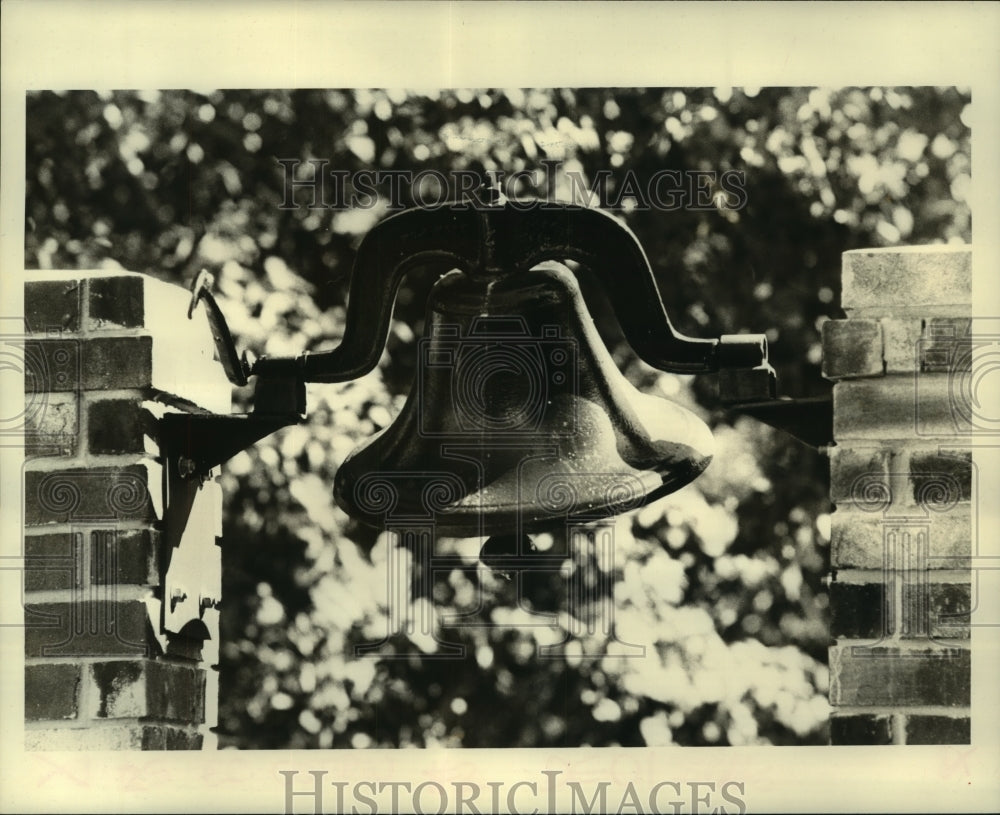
x,y
929,610
860,475
124,557
134,335
895,676
852,348
51,691
117,362
858,539
942,478
51,424
946,345
181,363
939,479
901,339
53,562
146,689
931,345
862,728
86,628
943,607
125,737
889,279
900,407
82,495
170,738
116,302
938,730
52,305
113,362
118,426
858,610
98,363
51,365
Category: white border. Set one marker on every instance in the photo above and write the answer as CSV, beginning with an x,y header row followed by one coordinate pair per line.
x,y
310,44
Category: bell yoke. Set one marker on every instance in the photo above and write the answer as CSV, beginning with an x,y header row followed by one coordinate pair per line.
x,y
519,419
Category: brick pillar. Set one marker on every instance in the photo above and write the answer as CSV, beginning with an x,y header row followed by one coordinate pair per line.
x,y
105,355
903,482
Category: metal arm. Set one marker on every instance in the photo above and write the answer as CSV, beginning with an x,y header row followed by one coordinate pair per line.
x,y
611,251
493,242
507,239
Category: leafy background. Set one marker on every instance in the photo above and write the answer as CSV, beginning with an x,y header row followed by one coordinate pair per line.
x,y
722,583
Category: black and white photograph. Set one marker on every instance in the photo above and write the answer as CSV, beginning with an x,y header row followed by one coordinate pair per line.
x,y
489,439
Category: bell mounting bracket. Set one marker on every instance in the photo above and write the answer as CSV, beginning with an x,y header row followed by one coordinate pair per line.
x,y
199,442
506,239
512,237
192,445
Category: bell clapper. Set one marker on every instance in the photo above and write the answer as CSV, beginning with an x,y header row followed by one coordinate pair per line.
x,y
507,554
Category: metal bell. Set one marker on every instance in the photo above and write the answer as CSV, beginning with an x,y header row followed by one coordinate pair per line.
x,y
519,419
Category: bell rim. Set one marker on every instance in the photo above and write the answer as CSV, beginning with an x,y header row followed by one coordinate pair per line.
x,y
480,521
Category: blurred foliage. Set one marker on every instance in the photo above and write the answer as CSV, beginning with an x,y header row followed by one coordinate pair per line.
x,y
721,584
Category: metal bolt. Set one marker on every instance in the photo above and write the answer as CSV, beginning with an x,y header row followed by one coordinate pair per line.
x,y
186,467
177,595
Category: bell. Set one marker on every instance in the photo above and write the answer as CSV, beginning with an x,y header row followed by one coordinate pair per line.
x,y
518,420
